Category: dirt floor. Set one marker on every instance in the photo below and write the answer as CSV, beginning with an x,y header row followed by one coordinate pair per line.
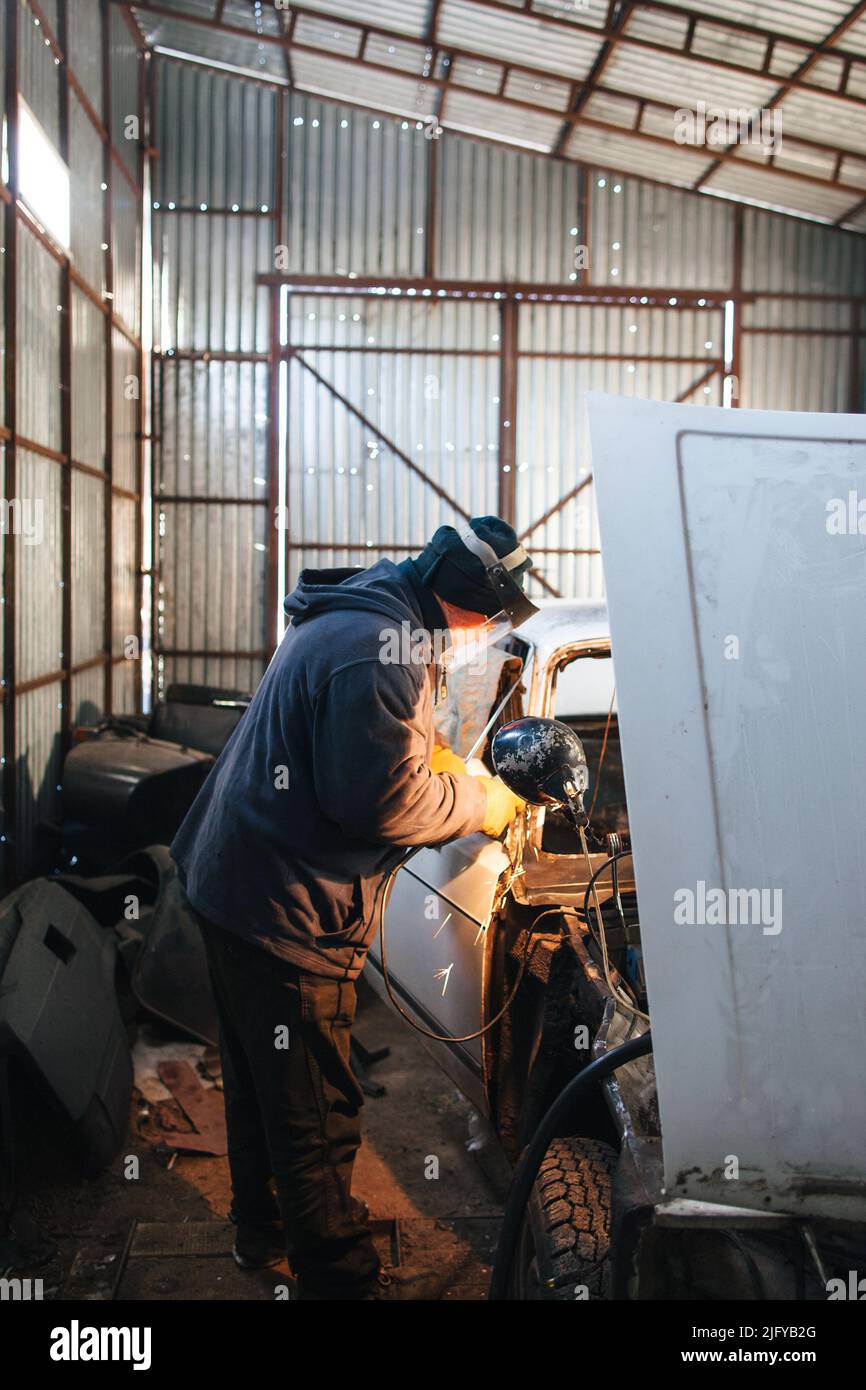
x,y
163,1233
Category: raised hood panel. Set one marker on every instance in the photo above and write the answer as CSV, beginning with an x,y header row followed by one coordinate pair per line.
x,y
736,582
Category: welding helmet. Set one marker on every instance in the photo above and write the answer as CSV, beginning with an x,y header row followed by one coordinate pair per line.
x,y
479,567
504,574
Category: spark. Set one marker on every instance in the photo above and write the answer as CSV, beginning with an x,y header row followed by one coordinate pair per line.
x,y
444,924
443,975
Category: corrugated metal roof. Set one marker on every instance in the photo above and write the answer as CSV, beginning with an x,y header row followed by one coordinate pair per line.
x,y
214,45
649,159
510,72
761,185
406,16
482,116
818,118
805,19
855,39
351,83
678,81
853,171
522,38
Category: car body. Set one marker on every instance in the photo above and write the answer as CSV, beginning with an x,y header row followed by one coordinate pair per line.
x,y
456,909
494,947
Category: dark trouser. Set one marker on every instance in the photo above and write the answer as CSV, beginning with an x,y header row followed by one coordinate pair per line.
x,y
292,1110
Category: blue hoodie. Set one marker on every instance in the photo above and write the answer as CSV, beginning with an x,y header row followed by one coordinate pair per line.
x,y
326,777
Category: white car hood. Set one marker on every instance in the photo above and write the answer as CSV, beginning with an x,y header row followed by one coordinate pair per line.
x,y
736,583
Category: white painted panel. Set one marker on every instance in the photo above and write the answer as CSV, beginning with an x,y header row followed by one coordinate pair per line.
x,y
436,933
745,767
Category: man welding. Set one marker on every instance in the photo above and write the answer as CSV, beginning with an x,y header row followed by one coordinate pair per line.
x,y
324,782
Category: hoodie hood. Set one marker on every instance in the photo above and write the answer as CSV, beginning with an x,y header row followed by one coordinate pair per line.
x,y
379,589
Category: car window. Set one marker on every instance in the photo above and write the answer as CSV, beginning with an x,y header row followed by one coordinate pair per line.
x,y
582,699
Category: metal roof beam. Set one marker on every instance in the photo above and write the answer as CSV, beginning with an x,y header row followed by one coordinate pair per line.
x,y
617,14
615,30
851,212
475,55
807,64
680,11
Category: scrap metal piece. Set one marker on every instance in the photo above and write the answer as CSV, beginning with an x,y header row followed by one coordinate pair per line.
x,y
97,1270
203,1108
170,978
59,1016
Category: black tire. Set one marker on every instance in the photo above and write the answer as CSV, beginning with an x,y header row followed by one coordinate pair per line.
x,y
565,1233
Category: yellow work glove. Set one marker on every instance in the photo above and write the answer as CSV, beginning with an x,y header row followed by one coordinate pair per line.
x,y
445,760
502,806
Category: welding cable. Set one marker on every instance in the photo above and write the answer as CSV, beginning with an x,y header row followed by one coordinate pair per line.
x,y
531,941
533,1156
602,938
601,756
757,1283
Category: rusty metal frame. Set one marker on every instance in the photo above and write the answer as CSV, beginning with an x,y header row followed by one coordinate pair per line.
x,y
509,353
438,59
604,33
612,168
10,756
790,83
509,298
618,15
557,292
107,207
18,216
161,357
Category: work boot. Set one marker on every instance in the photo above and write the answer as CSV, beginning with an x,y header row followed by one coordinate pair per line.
x,y
258,1244
396,1284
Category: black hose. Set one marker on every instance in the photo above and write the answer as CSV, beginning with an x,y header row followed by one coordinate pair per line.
x,y
608,863
527,1169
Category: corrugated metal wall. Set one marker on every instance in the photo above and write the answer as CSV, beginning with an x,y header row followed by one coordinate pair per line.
x,y
394,401
72,372
214,231
802,354
436,402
